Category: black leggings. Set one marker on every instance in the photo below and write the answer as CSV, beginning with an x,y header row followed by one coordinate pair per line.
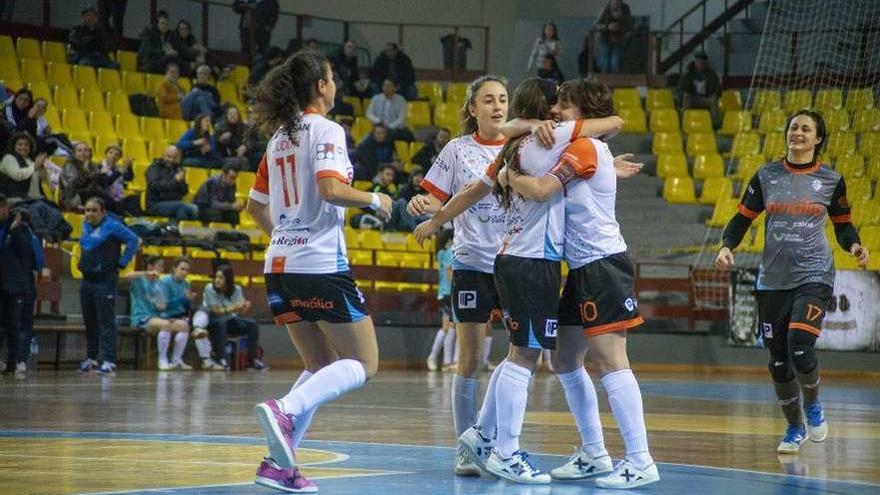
x,y
235,326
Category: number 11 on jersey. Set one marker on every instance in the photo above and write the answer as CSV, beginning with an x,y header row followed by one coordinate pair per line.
x,y
291,164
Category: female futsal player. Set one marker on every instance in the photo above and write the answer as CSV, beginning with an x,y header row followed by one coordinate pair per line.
x,y
299,198
796,276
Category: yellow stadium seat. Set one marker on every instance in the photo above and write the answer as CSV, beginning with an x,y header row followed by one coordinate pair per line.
x,y
139,182
92,100
59,73
747,166
695,120
672,165
245,182
6,46
679,190
457,92
418,114
28,48
387,258
32,70
74,120
626,97
836,120
9,68
774,146
13,84
82,137
715,188
734,122
157,147
828,99
659,98
700,143
185,84
356,103
447,115
53,117
797,99
869,144
708,165
850,166
870,235
666,142
151,81
362,128
754,239
724,210
859,99
228,92
54,51
363,185
195,177
127,60
360,257
867,120
220,226
241,74
175,128
84,77
432,90
101,124
117,102
133,82
352,238
152,128
772,121
76,221
766,99
415,146
858,189
415,260
874,170
109,79
664,120
402,149
372,239
745,143
730,100
40,90
840,144
66,97
633,120
127,126
135,149
102,142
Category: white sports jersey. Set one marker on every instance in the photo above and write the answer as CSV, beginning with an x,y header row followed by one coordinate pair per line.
x,y
308,235
586,169
536,230
478,231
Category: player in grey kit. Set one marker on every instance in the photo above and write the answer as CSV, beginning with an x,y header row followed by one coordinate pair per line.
x,y
796,276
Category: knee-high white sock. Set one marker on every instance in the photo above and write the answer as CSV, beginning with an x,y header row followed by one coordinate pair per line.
x,y
488,419
304,420
204,347
449,346
464,403
327,384
438,344
511,395
626,405
584,406
180,340
164,341
487,349
457,351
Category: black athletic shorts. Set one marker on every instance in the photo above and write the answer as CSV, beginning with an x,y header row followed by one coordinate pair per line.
x,y
529,291
330,297
445,304
601,296
473,296
801,308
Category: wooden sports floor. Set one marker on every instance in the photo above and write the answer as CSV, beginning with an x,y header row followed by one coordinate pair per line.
x,y
194,433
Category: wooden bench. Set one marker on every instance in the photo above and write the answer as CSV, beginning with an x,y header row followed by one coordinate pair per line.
x,y
62,329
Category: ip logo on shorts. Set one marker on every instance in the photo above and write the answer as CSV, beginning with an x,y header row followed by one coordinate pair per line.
x,y
550,328
630,304
767,330
467,299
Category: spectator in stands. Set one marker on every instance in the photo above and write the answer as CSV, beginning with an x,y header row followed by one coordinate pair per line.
x,y
700,87
198,146
28,115
21,259
413,185
346,123
90,43
340,106
345,63
263,63
216,197
224,301
393,64
376,149
118,173
5,222
166,187
169,94
190,53
585,58
385,181
203,98
389,108
19,174
258,18
81,179
549,69
100,262
427,153
155,51
114,9
547,44
231,143
615,26
178,306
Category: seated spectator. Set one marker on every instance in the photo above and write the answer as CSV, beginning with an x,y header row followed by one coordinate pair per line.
x,y
350,145
427,153
549,69
169,94
119,173
376,149
273,57
90,43
345,63
231,145
385,181
190,53
203,98
178,305
155,51
389,109
28,115
224,302
19,174
81,179
393,64
198,145
216,197
166,188
413,186
340,106
700,87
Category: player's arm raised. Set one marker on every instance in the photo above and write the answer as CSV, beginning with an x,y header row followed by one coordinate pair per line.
x,y
457,204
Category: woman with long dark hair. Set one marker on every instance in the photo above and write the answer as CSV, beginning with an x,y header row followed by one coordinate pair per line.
x,y
547,44
225,304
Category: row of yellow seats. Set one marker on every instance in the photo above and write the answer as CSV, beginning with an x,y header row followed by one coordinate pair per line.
x,y
664,98
864,120
395,259
406,150
682,190
825,100
750,143
385,241
456,92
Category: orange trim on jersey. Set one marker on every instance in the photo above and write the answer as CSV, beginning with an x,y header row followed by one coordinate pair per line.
x,y
331,174
311,111
434,190
842,218
799,171
278,264
616,326
581,155
261,182
289,317
747,212
805,327
576,132
487,142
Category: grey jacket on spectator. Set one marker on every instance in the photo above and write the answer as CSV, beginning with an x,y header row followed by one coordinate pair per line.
x,y
216,195
162,185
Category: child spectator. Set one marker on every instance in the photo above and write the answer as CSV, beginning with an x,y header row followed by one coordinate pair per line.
x,y
445,337
169,94
118,173
178,305
198,145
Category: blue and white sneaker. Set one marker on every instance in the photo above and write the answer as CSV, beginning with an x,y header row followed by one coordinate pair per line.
x,y
464,466
626,475
476,445
582,466
88,365
795,435
817,427
516,468
107,369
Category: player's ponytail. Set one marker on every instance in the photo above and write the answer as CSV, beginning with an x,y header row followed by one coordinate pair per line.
x,y
468,121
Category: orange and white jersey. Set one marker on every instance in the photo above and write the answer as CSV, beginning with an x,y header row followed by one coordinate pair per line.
x,y
536,230
586,170
308,233
478,231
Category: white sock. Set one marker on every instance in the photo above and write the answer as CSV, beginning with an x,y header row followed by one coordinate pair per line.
x,y
180,340
487,349
464,403
438,344
511,395
449,346
327,384
457,351
626,405
584,406
301,425
164,341
204,348
488,419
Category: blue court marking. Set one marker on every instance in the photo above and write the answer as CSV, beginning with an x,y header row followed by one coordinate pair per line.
x,y
428,470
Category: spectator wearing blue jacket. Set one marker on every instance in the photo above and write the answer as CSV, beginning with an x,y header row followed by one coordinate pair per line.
x,y
178,306
100,262
198,146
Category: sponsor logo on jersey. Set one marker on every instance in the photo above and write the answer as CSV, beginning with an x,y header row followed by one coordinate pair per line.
x,y
767,330
467,299
326,151
550,328
274,300
313,303
801,208
817,184
289,241
630,304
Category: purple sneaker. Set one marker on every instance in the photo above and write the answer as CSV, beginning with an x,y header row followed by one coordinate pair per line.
x,y
278,428
287,480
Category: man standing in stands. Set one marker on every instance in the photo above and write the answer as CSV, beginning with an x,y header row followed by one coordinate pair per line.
x,y
90,43
166,187
100,263
258,18
701,87
393,64
216,197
